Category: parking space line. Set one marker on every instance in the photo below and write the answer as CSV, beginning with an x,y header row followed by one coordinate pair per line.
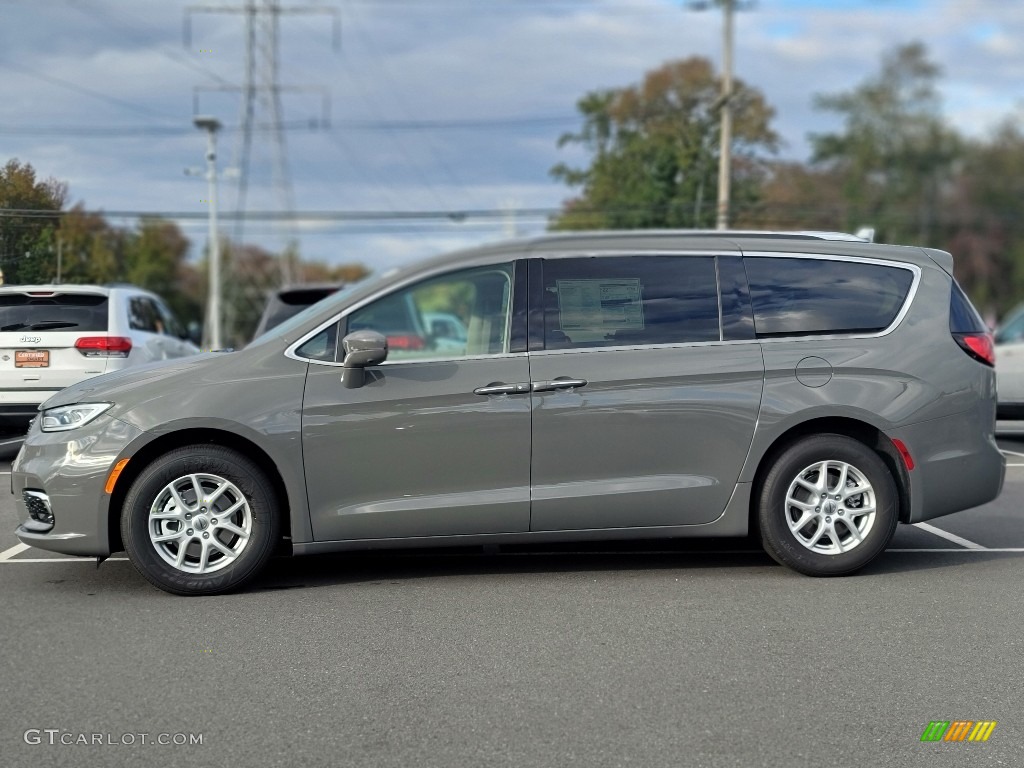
x,y
7,554
11,442
1012,453
89,560
948,536
960,550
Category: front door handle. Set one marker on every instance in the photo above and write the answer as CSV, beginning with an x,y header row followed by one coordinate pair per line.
x,y
559,383
497,388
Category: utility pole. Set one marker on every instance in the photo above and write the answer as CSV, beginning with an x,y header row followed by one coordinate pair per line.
x,y
724,104
211,328
60,256
725,151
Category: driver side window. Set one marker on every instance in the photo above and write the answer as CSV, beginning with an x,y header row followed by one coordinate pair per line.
x,y
460,314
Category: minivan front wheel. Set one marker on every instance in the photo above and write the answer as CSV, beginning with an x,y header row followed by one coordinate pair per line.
x,y
200,520
827,506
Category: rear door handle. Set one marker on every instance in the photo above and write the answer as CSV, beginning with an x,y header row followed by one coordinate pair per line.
x,y
497,388
559,383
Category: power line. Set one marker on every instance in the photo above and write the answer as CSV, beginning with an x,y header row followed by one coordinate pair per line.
x,y
314,125
68,85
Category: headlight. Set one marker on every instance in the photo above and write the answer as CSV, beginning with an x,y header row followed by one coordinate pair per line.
x,y
71,416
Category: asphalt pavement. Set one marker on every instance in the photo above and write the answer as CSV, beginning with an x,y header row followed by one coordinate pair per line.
x,y
684,654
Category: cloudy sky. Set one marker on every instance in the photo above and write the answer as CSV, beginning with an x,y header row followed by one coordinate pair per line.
x,y
434,105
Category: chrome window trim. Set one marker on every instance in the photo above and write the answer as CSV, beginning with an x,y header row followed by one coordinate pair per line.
x,y
417,361
914,269
292,350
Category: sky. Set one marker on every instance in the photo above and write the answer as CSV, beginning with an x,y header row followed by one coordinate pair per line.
x,y
440,106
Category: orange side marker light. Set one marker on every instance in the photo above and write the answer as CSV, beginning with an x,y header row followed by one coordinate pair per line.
x,y
114,474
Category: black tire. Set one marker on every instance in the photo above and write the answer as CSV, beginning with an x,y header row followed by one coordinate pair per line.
x,y
150,489
775,513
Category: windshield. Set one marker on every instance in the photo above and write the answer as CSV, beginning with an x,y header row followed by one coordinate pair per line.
x,y
324,307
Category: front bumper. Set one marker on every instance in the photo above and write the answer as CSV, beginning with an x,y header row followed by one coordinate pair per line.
x,y
71,469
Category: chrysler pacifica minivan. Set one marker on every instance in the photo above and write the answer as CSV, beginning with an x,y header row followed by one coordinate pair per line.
x,y
811,388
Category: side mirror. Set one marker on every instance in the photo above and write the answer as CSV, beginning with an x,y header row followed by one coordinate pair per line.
x,y
194,333
362,349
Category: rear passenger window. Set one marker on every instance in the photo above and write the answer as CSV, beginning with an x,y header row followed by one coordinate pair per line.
x,y
619,301
799,297
143,315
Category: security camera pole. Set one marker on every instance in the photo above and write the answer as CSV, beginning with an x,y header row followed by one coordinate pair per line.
x,y
211,331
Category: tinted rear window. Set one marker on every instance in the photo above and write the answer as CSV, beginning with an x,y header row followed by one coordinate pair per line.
x,y
797,296
64,312
963,317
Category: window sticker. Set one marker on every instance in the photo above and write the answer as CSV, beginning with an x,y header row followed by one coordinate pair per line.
x,y
600,304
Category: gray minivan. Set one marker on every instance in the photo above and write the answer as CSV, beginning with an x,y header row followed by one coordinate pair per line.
x,y
813,388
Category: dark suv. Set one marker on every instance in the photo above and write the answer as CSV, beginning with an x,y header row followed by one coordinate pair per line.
x,y
814,388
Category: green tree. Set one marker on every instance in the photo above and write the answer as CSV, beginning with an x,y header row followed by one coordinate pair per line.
x,y
894,151
26,231
981,218
654,151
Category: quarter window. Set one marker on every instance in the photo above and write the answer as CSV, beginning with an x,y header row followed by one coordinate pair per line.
x,y
609,301
800,296
461,314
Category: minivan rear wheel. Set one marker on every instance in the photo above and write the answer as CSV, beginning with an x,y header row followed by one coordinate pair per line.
x,y
200,520
827,506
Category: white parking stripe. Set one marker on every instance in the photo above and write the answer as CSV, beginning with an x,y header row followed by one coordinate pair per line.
x,y
90,560
981,550
1012,453
948,536
7,554
12,442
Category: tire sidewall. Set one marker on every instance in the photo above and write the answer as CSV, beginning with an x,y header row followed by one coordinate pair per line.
x,y
199,460
780,541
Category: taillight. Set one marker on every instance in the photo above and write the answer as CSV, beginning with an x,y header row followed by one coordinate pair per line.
x,y
406,341
977,345
104,346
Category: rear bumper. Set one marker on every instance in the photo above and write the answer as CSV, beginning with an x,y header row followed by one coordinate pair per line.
x,y
958,464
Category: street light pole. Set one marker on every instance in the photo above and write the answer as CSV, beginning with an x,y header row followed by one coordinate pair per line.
x,y
211,331
725,151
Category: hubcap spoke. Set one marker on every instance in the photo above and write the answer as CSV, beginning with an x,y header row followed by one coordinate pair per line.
x,y
218,544
178,501
232,528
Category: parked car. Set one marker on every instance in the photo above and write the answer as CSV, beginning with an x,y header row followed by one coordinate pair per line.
x,y
288,301
52,336
813,388
1009,339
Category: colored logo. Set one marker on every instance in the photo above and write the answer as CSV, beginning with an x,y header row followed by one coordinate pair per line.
x,y
958,730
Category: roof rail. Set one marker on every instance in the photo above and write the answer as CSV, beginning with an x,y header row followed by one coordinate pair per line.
x,y
795,235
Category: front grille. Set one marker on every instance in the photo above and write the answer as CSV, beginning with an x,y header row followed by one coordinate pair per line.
x,y
38,505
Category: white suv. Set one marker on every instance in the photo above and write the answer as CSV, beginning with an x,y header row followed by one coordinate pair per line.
x,y
52,336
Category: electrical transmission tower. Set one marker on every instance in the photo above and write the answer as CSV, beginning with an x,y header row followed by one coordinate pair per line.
x,y
262,122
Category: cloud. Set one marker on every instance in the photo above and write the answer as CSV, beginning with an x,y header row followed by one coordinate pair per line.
x,y
436,61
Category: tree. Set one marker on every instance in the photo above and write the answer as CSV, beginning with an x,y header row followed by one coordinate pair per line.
x,y
895,150
654,151
26,239
982,223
